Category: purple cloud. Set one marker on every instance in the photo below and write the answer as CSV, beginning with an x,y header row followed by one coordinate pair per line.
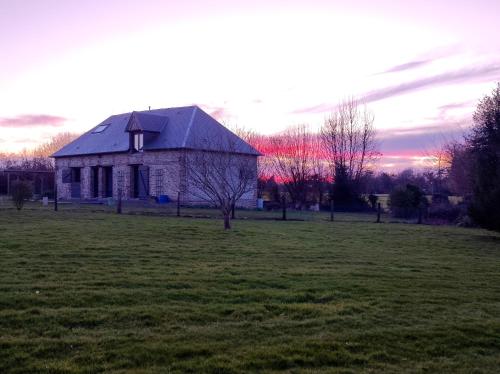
x,y
424,59
473,74
407,66
481,73
32,120
452,106
417,139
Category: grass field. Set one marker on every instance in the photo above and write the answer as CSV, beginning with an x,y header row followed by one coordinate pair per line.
x,y
91,292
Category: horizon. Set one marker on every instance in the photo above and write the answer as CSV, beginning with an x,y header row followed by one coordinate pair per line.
x,y
263,67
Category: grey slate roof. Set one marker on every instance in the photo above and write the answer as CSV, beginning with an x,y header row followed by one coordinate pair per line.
x,y
171,128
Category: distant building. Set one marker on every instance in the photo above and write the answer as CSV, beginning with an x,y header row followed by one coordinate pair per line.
x,y
42,181
143,154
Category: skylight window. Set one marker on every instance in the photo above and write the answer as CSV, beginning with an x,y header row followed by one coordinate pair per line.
x,y
100,128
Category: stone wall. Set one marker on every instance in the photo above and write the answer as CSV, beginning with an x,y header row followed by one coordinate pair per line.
x,y
167,176
164,175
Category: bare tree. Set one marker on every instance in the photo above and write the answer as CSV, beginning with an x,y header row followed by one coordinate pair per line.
x,y
349,141
37,158
292,159
260,143
220,174
437,164
9,160
438,158
54,144
319,178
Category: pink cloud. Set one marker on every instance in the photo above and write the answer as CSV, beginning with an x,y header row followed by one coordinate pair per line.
x,y
32,120
217,112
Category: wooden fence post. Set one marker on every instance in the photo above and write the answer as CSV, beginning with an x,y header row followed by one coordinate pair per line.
x,y
283,203
178,204
378,212
233,207
332,208
55,196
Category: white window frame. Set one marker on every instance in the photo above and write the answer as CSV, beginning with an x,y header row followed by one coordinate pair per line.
x,y
138,141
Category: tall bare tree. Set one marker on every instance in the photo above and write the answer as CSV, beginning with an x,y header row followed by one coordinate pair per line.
x,y
349,141
220,174
292,158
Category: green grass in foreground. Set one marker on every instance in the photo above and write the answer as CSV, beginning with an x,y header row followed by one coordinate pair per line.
x,y
96,292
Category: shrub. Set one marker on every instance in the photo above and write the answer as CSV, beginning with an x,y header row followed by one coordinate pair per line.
x,y
21,191
405,201
445,212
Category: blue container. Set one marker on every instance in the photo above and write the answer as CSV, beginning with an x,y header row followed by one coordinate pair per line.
x,y
163,199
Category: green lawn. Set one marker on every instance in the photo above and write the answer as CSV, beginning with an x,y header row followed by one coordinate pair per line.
x,y
97,292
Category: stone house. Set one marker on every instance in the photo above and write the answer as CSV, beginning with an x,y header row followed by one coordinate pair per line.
x,y
143,154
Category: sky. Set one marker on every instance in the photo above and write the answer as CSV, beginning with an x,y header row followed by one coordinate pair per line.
x,y
419,66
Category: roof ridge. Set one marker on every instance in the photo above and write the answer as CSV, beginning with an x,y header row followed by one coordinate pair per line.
x,y
188,131
146,113
167,108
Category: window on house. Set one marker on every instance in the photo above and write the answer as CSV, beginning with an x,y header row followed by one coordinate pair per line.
x,y
138,141
100,128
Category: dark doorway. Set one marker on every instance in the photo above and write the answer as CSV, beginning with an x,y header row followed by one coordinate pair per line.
x,y
141,181
95,181
134,171
75,183
108,181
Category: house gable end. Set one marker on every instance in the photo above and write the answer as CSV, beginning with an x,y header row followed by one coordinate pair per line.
x,y
133,124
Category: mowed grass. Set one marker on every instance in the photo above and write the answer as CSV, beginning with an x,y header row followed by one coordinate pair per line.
x,y
85,292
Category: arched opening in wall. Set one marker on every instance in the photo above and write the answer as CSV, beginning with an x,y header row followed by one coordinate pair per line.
x,y
94,182
76,183
140,178
108,181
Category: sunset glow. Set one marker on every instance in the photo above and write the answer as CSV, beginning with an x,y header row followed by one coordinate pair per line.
x,y
421,67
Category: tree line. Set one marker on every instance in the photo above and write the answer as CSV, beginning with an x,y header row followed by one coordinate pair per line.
x,y
309,167
37,158
339,162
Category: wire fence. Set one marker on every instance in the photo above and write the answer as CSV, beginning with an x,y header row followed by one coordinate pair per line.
x,y
173,209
